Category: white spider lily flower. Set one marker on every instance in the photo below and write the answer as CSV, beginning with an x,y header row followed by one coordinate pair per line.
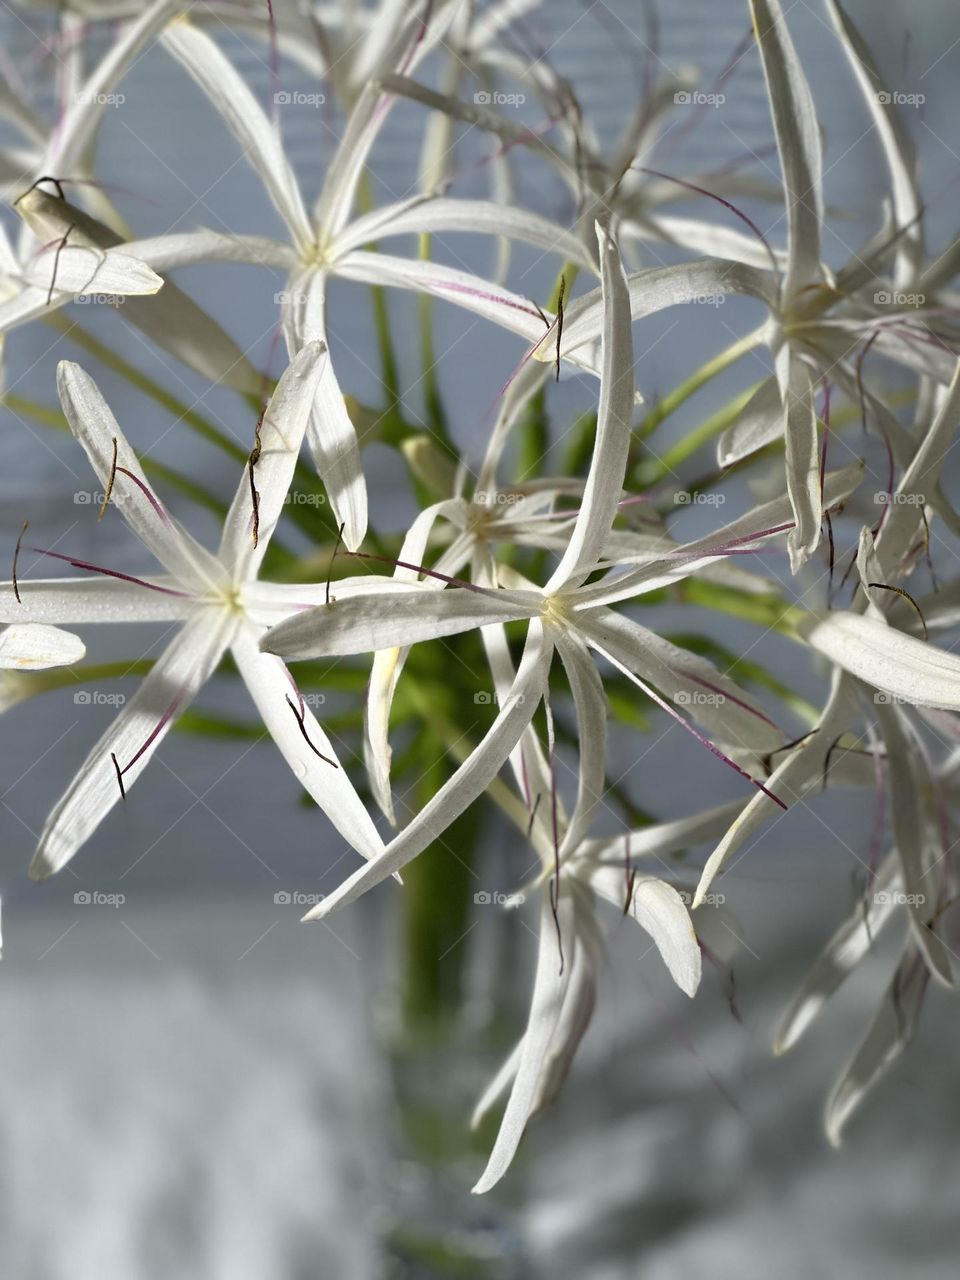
x,y
35,647
570,946
325,242
217,602
613,186
806,341
564,616
65,251
573,875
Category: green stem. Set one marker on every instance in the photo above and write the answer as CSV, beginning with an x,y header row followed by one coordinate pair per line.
x,y
146,384
706,373
651,470
433,400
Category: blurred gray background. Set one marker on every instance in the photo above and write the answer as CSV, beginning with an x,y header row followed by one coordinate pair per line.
x,y
194,1085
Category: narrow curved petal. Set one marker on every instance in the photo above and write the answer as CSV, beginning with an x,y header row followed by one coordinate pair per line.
x,y
94,599
436,215
897,146
388,663
798,141
851,944
331,434
692,682
33,647
412,41
75,133
79,270
241,112
549,992
280,435
604,486
180,671
802,455
590,704
887,659
757,527
913,825
656,288
808,765
392,615
193,248
300,737
96,429
901,528
659,909
466,785
759,424
502,307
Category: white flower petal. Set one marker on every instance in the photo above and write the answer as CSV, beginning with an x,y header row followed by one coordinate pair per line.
x,y
33,646
330,432
799,771
78,270
192,248
912,827
692,682
281,434
897,145
433,215
591,709
281,709
410,42
93,599
604,486
466,785
798,141
391,615
887,659
550,988
802,454
180,671
492,302
753,529
241,112
658,908
757,425
74,134
96,429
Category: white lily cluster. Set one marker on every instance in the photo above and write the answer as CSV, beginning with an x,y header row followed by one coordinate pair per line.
x,y
544,569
